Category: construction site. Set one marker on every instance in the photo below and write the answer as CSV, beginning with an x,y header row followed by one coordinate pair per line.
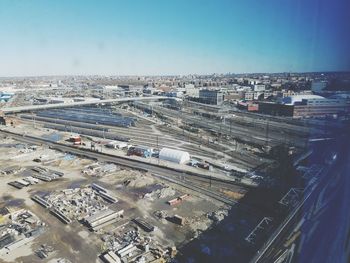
x,y
183,131
147,181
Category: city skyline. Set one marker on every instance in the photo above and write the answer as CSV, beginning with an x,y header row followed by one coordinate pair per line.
x,y
172,38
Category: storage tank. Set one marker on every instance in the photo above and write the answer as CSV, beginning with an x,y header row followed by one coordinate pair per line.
x,y
175,156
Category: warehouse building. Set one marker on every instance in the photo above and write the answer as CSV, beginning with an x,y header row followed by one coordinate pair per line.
x,y
175,156
301,106
301,99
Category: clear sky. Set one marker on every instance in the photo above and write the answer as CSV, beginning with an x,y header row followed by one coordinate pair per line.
x,y
142,37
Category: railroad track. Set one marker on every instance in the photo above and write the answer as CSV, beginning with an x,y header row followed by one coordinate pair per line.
x,y
123,161
247,134
198,189
149,140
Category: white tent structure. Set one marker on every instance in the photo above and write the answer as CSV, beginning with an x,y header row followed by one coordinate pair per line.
x,y
175,156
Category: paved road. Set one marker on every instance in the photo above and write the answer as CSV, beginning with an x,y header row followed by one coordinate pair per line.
x,y
81,103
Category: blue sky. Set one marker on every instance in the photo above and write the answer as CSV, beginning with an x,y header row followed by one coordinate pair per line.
x,y
142,37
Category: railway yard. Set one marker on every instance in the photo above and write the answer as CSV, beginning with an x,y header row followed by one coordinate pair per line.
x,y
66,202
136,182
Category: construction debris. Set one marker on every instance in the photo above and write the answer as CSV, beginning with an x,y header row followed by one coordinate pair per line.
x,y
86,204
43,251
178,200
144,225
20,228
218,215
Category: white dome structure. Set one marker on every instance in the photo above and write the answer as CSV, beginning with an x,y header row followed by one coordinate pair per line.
x,y
175,156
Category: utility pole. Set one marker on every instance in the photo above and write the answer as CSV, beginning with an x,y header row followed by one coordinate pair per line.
x,y
267,133
158,147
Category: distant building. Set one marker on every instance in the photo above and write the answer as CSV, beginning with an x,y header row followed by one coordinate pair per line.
x,y
249,95
259,87
306,106
215,97
318,86
253,95
174,94
111,88
234,95
249,106
294,99
321,107
267,94
150,90
253,81
191,91
131,90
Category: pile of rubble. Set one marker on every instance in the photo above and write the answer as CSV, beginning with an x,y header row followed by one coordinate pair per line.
x,y
163,192
43,251
77,203
19,228
100,169
141,180
218,215
160,214
131,246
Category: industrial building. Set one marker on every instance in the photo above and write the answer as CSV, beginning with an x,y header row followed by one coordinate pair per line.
x,y
300,106
207,96
324,107
302,98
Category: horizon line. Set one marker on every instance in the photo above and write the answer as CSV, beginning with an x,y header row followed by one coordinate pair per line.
x,y
175,75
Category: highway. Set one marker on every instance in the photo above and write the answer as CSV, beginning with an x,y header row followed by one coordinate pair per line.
x,y
193,181
11,110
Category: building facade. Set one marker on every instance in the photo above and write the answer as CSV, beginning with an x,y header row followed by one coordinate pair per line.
x,y
214,97
307,108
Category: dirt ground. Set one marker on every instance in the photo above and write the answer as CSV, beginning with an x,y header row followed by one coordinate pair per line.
x,y
139,194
